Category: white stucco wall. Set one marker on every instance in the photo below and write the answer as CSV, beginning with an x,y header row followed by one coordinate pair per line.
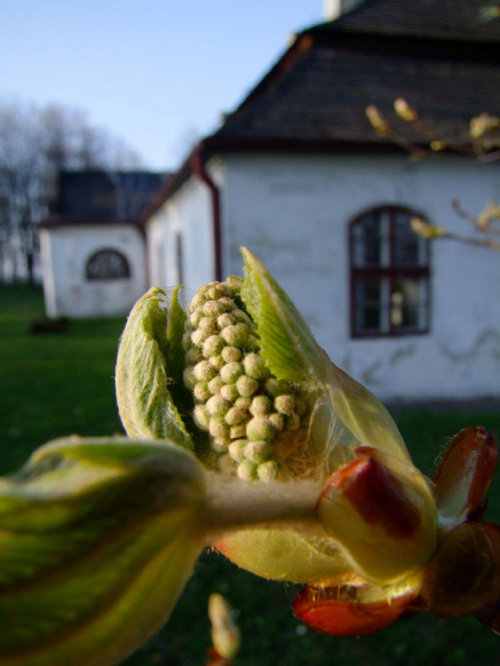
x,y
65,252
293,213
188,213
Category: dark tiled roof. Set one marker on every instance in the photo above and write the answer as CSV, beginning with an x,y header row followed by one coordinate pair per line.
x,y
97,196
426,51
324,95
442,19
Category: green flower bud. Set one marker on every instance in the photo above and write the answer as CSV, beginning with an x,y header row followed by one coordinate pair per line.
x,y
216,385
255,367
236,416
193,356
247,470
204,371
212,346
186,341
284,404
231,372
236,335
234,283
216,290
237,431
246,386
219,429
199,336
259,428
237,449
201,417
231,354
190,378
217,405
258,452
230,392
207,324
201,391
217,362
277,421
196,302
213,308
243,403
224,320
261,405
226,302
267,471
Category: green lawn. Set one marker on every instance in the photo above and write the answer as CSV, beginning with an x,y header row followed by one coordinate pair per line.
x,y
62,383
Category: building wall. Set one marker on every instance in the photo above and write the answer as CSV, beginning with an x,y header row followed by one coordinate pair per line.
x,y
180,239
293,212
65,253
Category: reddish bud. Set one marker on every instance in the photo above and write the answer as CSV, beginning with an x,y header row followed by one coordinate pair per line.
x,y
464,475
464,574
382,514
348,610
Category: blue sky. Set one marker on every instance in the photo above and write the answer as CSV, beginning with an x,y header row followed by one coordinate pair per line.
x,y
154,72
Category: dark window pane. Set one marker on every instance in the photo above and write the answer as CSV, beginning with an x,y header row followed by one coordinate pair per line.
x,y
407,303
368,304
368,290
408,246
370,319
369,239
107,265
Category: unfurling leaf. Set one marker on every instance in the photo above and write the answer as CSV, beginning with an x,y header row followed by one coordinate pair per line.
x,y
149,371
97,539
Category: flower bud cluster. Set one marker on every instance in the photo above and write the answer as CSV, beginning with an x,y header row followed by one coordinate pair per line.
x,y
243,407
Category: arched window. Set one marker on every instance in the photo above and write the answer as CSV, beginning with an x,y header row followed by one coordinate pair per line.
x,y
389,274
107,264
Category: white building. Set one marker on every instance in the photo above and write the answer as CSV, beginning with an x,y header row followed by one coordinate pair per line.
x,y
298,175
92,249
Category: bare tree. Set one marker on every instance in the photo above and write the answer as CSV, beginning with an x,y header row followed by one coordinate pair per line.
x,y
35,143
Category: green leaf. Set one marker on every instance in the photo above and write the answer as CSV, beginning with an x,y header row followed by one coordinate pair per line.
x,y
143,382
97,539
287,344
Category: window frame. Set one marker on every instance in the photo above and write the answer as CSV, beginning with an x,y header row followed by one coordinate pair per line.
x,y
387,273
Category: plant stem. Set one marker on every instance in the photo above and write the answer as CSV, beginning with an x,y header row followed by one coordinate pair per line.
x,y
235,505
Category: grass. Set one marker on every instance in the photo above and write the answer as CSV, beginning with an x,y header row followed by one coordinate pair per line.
x,y
56,384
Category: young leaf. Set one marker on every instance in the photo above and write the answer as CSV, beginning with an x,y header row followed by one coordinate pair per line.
x,y
143,381
287,344
98,538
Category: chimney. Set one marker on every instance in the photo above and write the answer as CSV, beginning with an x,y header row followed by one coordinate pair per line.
x,y
333,9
